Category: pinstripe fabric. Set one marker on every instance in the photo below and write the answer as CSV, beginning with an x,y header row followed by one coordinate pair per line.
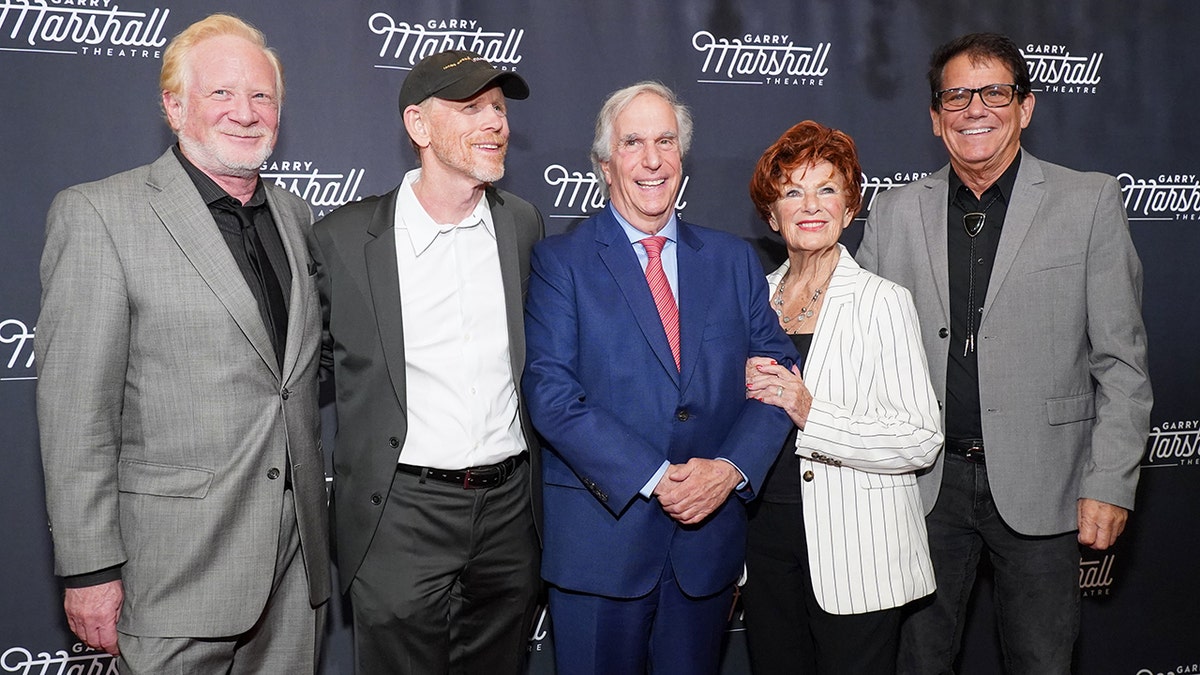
x,y
874,423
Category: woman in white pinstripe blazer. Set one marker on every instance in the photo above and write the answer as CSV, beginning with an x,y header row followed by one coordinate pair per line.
x,y
837,540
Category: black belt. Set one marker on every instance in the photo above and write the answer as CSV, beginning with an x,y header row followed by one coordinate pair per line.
x,y
474,478
970,449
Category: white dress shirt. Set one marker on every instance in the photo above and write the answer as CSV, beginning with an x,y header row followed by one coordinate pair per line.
x,y
462,399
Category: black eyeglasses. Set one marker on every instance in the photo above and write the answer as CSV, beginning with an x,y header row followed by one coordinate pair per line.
x,y
958,98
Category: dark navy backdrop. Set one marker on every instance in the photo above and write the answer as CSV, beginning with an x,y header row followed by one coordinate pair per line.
x,y
1116,92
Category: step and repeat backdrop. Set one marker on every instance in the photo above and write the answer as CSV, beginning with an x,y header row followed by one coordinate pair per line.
x,y
1117,91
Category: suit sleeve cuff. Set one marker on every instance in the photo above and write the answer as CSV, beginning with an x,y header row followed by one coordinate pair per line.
x,y
92,578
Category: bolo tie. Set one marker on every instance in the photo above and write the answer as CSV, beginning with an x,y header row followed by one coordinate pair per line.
x,y
973,224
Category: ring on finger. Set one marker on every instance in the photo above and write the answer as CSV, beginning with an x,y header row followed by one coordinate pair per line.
x,y
779,392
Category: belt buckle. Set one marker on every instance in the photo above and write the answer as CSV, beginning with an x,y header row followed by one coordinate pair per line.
x,y
467,479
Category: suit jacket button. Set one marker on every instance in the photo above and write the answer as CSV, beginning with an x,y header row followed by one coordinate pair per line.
x,y
285,393
376,499
272,473
943,332
682,415
394,442
808,476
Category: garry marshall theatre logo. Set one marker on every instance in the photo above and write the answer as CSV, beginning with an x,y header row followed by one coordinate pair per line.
x,y
324,191
1181,669
404,44
579,192
1096,576
1165,197
87,27
16,343
1173,443
873,185
761,59
80,660
1053,69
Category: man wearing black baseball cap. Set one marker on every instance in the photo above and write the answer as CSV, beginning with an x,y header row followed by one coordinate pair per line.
x,y
437,494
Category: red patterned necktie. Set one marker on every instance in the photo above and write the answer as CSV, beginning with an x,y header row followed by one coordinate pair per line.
x,y
660,288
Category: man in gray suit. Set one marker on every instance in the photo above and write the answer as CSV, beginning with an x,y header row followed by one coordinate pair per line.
x,y
1028,289
177,402
435,467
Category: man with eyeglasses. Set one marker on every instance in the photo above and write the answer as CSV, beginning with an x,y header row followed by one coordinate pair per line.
x,y
1029,290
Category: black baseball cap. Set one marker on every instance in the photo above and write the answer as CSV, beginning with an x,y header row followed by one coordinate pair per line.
x,y
455,75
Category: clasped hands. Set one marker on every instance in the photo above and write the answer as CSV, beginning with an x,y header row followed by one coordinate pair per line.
x,y
690,492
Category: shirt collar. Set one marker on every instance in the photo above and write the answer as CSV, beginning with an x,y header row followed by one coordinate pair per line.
x,y
422,229
1005,183
670,230
209,191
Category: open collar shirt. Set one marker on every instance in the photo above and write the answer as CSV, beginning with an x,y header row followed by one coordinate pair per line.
x,y
461,393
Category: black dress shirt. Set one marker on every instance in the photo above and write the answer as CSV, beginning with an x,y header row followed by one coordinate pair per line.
x,y
272,303
962,368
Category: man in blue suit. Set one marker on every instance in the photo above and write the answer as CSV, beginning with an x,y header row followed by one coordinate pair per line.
x,y
638,326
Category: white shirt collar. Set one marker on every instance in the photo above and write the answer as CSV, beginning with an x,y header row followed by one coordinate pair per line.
x,y
421,228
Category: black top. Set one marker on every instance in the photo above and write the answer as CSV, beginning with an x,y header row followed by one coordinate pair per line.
x,y
782,485
962,368
272,290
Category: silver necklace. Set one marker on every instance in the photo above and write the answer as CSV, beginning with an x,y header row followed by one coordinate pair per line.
x,y
805,312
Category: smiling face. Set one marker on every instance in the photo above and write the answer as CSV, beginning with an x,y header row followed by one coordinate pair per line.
x,y
467,138
227,116
982,141
811,210
646,166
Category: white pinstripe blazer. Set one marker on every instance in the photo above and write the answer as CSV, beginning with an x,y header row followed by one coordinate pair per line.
x,y
874,423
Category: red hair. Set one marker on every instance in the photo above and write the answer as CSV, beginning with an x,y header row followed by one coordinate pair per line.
x,y
808,142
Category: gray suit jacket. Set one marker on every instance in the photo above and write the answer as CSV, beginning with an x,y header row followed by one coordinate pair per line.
x,y
355,253
166,426
1063,384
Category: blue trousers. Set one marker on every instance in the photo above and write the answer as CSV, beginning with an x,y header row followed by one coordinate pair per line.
x,y
665,632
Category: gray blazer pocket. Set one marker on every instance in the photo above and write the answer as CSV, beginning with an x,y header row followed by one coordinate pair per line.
x,y
1071,409
1055,264
163,480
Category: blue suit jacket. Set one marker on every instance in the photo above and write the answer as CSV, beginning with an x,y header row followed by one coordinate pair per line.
x,y
604,393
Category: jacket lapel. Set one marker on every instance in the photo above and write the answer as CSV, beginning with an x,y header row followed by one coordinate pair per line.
x,y
1023,206
933,214
617,255
178,206
298,297
839,293
695,283
384,278
510,278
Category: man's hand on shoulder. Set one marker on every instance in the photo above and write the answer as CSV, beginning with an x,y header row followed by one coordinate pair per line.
x,y
1100,523
697,488
92,613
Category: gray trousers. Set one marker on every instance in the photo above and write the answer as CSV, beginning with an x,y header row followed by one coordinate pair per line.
x,y
449,582
285,639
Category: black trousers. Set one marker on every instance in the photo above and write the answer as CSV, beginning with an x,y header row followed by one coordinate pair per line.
x,y
786,630
450,581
